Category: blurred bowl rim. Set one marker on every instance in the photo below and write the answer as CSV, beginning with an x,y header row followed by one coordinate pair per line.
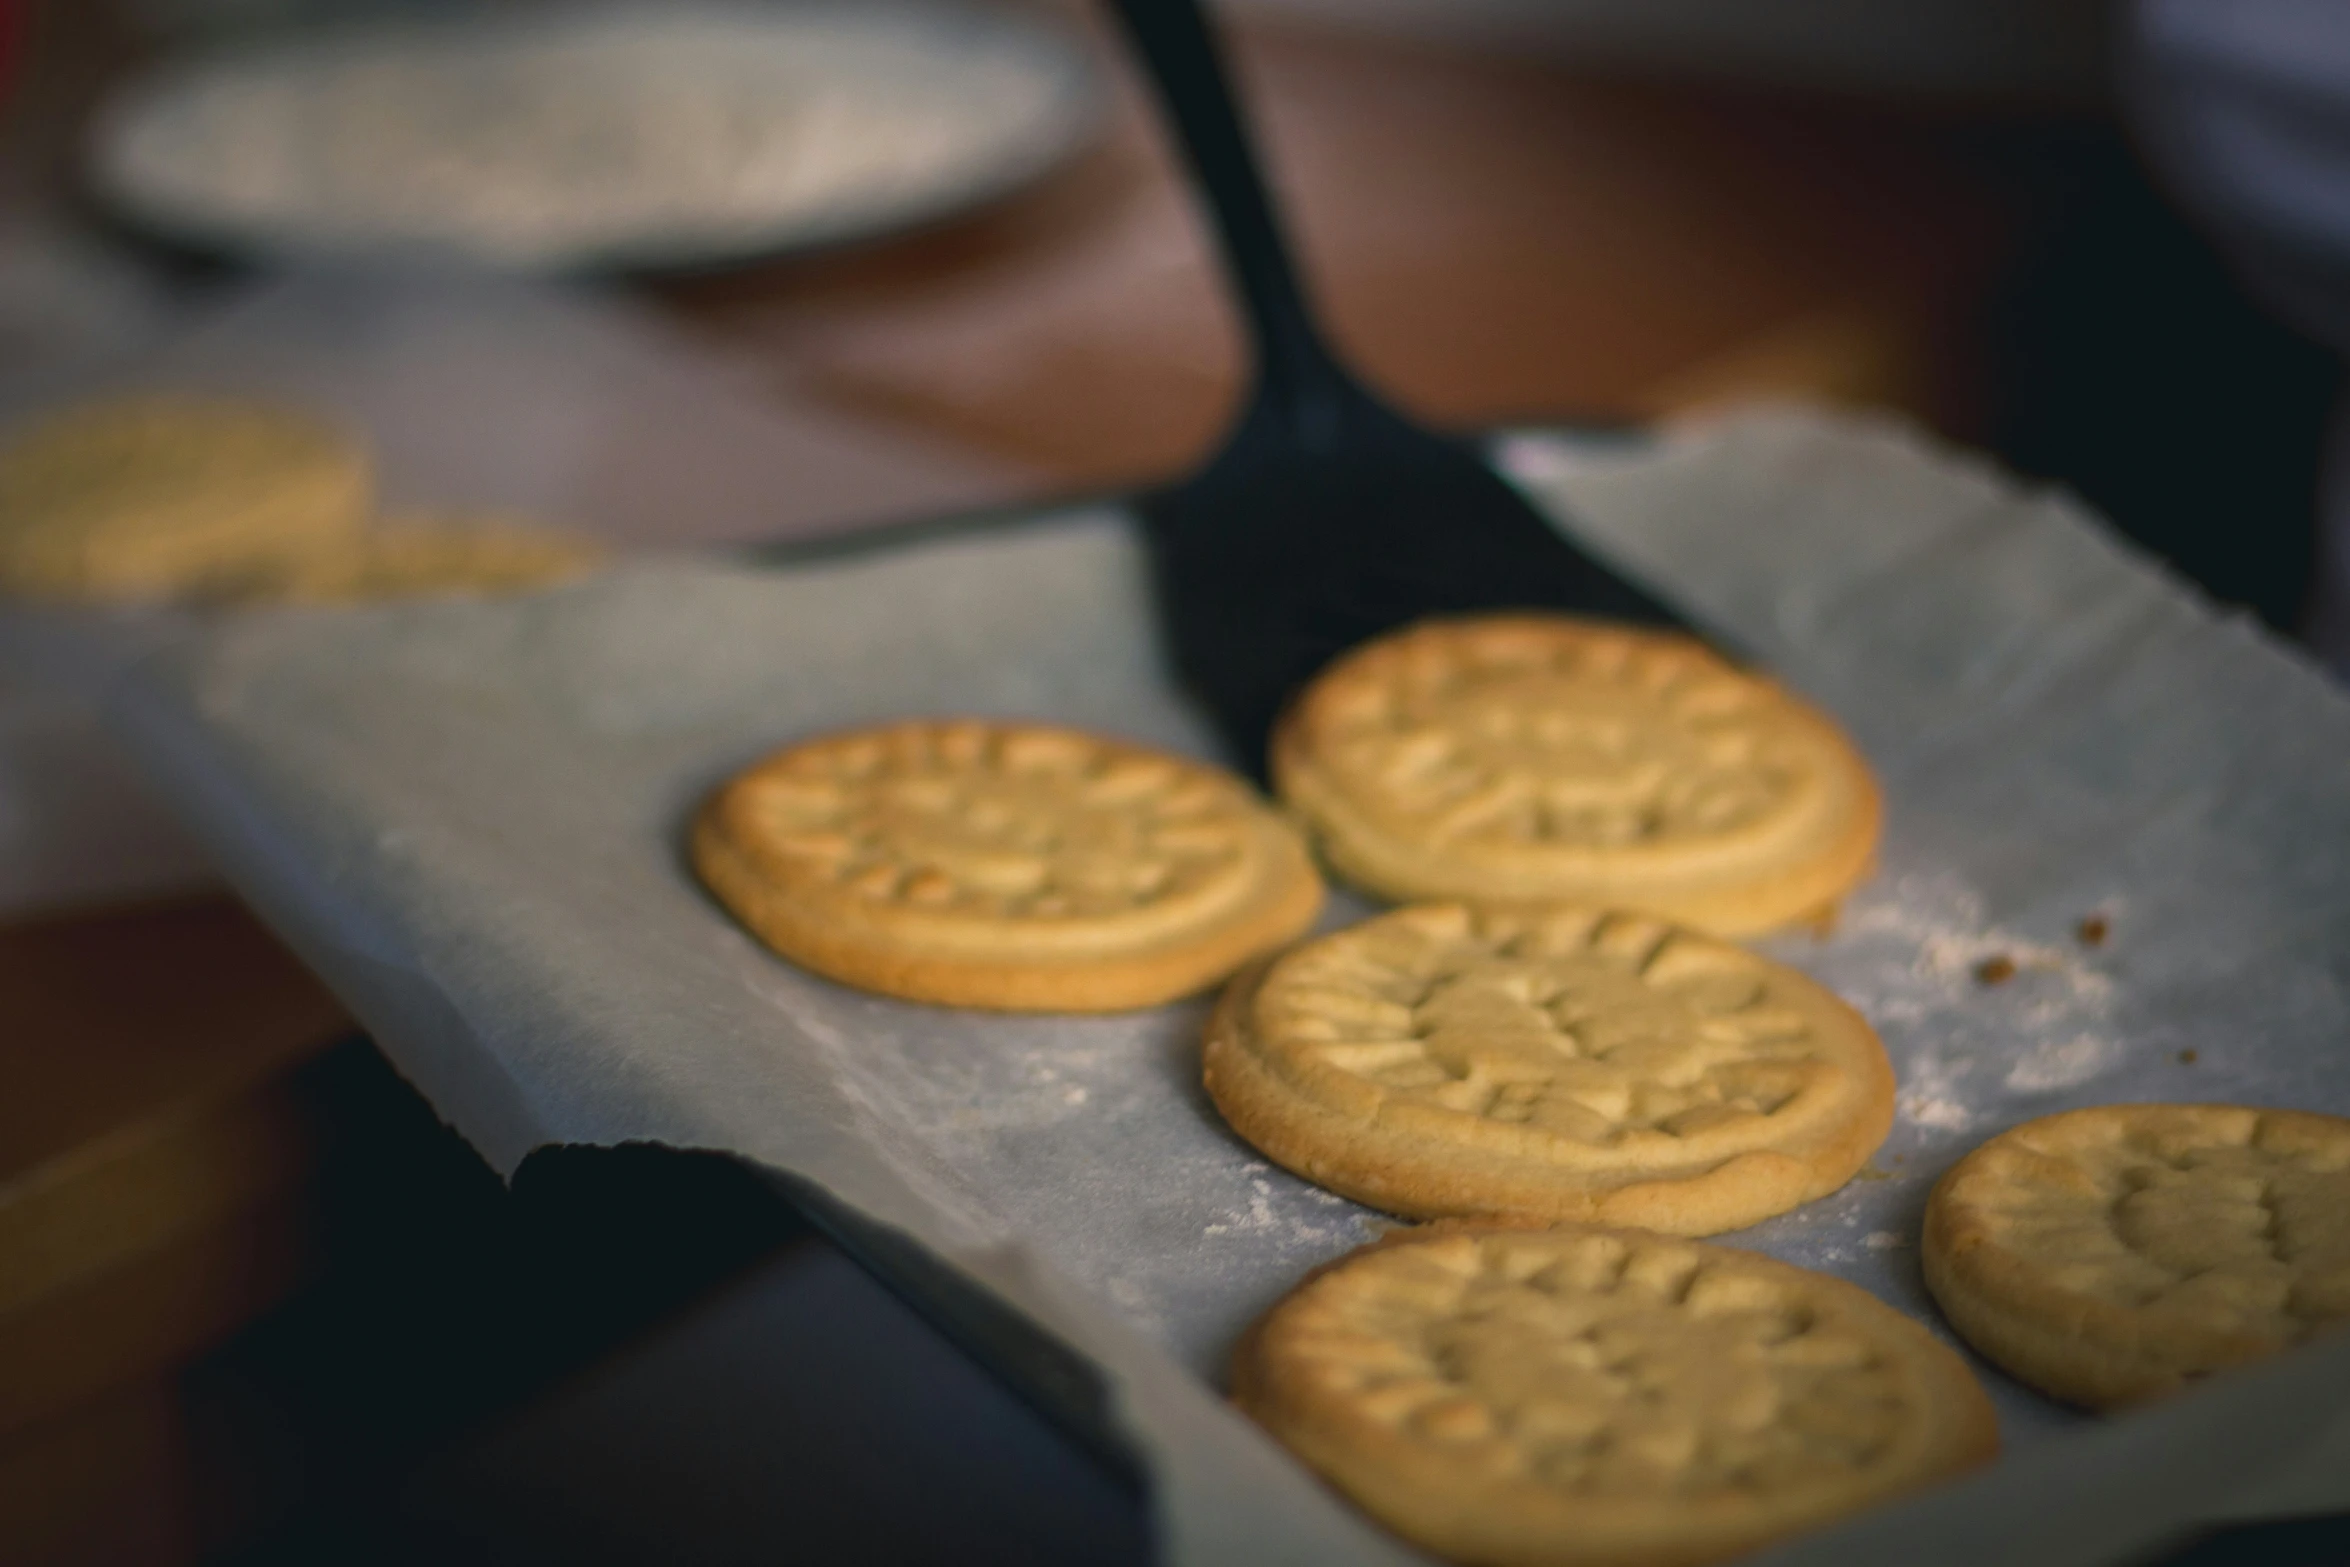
x,y
1073,114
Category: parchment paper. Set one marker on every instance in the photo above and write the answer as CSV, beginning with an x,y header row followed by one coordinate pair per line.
x,y
468,817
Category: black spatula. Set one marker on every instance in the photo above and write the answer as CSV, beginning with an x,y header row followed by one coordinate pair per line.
x,y
1327,517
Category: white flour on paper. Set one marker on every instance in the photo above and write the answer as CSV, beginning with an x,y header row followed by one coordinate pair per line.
x,y
1919,956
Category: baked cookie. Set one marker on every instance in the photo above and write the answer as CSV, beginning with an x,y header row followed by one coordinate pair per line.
x,y
982,863
1585,1397
2117,1253
1549,1063
424,555
152,497
1534,757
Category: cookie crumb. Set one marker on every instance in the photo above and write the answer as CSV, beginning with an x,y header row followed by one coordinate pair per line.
x,y
1995,971
2186,1058
1870,1172
1822,922
2092,931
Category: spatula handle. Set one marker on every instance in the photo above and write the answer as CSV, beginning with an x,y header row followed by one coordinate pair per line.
x,y
1296,376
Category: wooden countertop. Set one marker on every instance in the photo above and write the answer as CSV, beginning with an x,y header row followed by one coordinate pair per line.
x,y
154,1161
1490,239
137,1060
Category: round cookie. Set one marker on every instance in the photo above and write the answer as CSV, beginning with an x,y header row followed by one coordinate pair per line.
x,y
1549,1063
424,555
149,498
2114,1254
998,864
1586,1397
1537,757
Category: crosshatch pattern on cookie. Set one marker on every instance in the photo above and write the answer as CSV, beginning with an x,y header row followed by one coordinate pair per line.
x,y
2114,1252
1513,735
1002,823
1583,1395
1526,1026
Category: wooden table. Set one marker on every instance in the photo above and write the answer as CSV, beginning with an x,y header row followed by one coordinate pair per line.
x,y
154,1162
1493,239
1490,240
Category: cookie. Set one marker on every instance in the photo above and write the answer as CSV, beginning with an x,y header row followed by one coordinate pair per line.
x,y
1551,1063
2115,1254
995,864
149,498
1539,757
1587,1397
422,556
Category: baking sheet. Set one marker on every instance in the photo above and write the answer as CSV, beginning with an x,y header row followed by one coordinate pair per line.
x,y
468,817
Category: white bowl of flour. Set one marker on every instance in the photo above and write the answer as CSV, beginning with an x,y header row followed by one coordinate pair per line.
x,y
614,137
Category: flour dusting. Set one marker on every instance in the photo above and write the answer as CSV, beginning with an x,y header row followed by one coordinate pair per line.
x,y
2062,1063
1970,1009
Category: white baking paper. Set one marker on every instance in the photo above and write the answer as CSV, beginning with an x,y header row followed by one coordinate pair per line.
x,y
468,817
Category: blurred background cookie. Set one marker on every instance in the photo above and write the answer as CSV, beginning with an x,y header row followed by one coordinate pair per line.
x,y
141,499
419,554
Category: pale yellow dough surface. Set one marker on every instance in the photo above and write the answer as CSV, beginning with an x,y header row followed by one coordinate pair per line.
x,y
1524,757
150,498
2114,1254
1584,1397
1009,865
1549,1062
